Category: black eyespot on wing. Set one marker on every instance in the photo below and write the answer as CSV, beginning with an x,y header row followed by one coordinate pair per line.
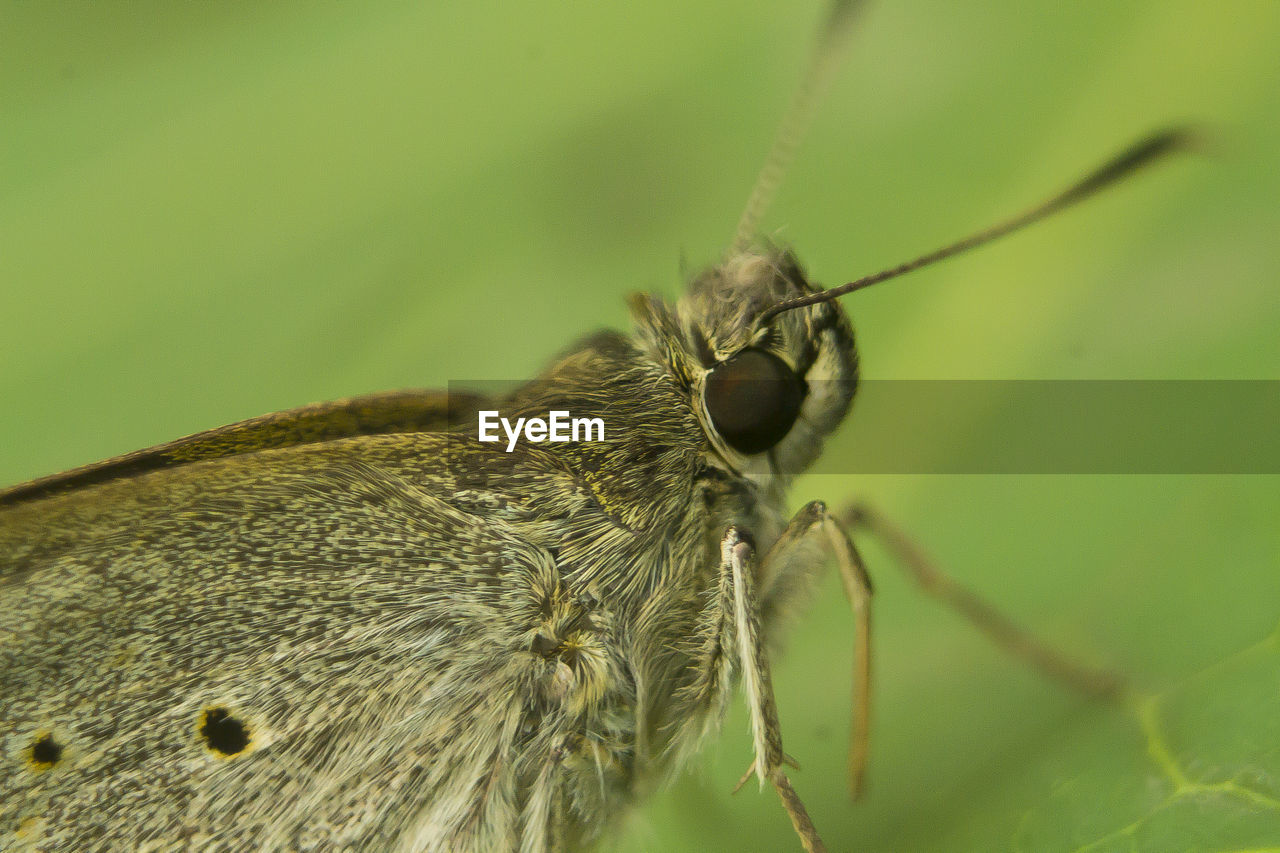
x,y
753,399
223,733
45,752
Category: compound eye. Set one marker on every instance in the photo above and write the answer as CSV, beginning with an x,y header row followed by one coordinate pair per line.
x,y
753,399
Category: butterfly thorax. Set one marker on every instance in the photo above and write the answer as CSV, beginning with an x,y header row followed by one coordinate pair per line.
x,y
643,650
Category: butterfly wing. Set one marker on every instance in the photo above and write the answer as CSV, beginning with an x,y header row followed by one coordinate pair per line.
x,y
370,414
322,643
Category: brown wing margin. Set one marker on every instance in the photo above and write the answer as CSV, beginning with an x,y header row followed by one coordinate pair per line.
x,y
372,414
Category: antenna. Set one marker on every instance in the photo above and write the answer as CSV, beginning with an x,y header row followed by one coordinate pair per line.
x,y
1123,165
824,61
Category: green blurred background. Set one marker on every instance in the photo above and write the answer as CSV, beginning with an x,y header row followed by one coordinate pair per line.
x,y
210,211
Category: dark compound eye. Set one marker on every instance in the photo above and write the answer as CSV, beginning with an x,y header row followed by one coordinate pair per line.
x,y
753,399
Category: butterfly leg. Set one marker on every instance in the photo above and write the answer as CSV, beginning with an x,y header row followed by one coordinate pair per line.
x,y
783,561
737,587
1003,631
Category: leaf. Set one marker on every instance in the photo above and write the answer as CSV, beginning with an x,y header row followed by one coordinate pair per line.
x,y
1211,776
